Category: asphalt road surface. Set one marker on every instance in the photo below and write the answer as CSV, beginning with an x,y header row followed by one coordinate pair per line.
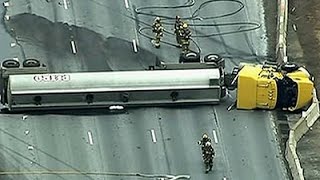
x,y
143,141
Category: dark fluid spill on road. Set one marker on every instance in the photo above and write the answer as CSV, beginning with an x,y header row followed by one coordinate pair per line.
x,y
94,51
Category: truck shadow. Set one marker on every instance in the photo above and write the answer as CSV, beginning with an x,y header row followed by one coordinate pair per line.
x,y
50,42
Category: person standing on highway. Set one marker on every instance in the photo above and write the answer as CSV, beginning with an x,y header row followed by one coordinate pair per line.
x,y
177,28
208,155
185,35
158,29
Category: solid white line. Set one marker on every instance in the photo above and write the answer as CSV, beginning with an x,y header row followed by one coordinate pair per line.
x,y
135,48
126,3
65,4
73,46
215,136
153,135
224,156
90,137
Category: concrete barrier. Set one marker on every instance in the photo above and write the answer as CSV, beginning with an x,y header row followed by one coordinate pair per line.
x,y
298,130
293,159
311,115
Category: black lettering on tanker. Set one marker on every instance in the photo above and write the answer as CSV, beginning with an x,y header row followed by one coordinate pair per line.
x,y
51,78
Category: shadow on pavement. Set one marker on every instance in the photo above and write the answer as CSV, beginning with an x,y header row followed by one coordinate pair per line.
x,y
38,35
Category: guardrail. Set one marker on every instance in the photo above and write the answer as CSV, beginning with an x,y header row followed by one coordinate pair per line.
x,y
311,115
298,130
281,48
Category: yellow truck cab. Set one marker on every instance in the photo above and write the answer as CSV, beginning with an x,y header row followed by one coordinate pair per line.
x,y
288,87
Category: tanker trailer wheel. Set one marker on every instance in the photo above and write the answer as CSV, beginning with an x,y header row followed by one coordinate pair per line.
x,y
31,63
189,57
289,67
11,63
215,58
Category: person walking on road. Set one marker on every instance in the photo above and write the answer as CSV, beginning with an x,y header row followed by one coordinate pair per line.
x,y
158,29
185,35
177,28
208,155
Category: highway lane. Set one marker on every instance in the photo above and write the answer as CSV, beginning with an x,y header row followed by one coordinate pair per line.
x,y
9,48
254,146
123,143
250,144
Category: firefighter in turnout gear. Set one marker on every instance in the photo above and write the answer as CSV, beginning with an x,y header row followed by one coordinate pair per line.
x,y
185,35
177,28
208,155
157,28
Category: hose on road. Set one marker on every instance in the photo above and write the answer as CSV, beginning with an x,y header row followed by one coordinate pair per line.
x,y
195,16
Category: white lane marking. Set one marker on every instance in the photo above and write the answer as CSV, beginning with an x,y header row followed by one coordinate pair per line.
x,y
65,4
294,27
30,147
219,128
73,46
153,135
135,48
215,136
126,3
90,137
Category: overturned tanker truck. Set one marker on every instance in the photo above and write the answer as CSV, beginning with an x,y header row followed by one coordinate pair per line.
x,y
31,87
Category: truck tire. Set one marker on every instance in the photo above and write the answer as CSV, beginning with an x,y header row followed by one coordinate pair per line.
x,y
31,63
189,57
11,63
215,58
289,67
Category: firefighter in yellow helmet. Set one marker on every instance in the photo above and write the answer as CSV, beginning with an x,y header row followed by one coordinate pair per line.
x,y
208,154
177,28
158,29
185,35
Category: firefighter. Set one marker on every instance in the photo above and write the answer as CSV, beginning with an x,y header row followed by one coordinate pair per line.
x,y
204,140
157,28
185,35
177,28
208,155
